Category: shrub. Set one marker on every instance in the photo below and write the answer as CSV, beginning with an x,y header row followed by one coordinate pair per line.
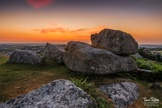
x,y
142,64
145,65
149,56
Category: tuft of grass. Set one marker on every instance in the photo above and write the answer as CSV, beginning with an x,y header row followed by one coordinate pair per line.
x,y
92,91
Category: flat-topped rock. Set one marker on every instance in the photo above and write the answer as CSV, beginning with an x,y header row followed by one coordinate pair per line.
x,y
83,58
117,41
27,57
54,52
57,94
122,94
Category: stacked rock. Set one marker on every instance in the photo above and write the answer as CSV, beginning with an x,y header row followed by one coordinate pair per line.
x,y
116,41
109,53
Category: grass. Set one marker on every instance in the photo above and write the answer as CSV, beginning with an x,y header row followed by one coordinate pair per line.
x,y
18,79
156,67
22,78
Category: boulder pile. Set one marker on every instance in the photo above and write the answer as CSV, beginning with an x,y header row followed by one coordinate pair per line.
x,y
109,53
83,58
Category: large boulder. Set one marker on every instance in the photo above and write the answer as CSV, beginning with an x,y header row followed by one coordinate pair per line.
x,y
27,57
122,94
83,58
57,94
118,42
54,52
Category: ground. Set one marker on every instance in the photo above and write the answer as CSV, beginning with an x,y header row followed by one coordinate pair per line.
x,y
18,79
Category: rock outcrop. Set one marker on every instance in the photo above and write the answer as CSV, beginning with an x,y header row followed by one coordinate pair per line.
x,y
57,94
54,52
83,58
27,57
122,94
146,51
118,42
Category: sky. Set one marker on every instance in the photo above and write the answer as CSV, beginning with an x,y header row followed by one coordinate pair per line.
x,y
60,21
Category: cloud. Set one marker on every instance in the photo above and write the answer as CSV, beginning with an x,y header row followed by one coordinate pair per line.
x,y
39,3
54,30
78,31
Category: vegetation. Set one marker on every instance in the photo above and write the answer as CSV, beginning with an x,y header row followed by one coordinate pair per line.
x,y
91,90
149,65
149,56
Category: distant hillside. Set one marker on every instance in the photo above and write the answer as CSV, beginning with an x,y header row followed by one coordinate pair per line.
x,y
149,46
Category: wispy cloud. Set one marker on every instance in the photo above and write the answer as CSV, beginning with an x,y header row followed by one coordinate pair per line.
x,y
39,3
77,31
53,30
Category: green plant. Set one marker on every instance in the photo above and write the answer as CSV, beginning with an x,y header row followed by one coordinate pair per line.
x,y
142,64
91,90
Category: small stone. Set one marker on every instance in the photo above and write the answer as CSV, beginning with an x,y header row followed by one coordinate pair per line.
x,y
156,86
138,55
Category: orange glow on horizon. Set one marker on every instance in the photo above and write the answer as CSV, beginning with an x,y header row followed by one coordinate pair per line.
x,y
54,35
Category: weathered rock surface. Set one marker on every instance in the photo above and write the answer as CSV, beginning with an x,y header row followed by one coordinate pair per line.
x,y
116,41
57,94
54,52
122,94
27,57
156,86
83,58
138,55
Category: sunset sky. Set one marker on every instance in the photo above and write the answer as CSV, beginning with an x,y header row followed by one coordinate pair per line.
x,y
60,21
